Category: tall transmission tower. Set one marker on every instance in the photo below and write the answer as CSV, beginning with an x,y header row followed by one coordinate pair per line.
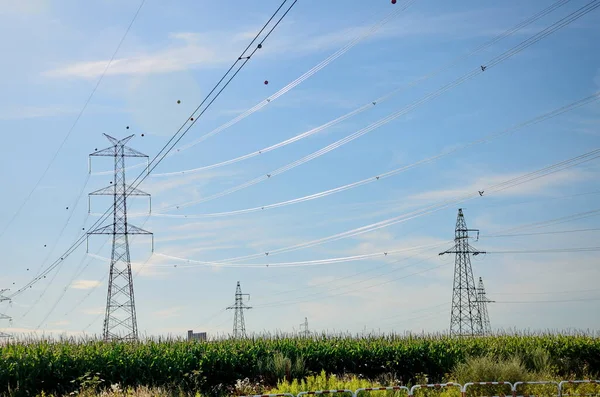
x,y
4,316
304,330
482,299
465,318
239,326
120,322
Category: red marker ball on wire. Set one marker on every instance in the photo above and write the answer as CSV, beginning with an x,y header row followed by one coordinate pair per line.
x,y
266,82
393,1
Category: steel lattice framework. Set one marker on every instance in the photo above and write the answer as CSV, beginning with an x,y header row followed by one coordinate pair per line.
x,y
239,326
486,327
120,322
304,330
465,319
4,316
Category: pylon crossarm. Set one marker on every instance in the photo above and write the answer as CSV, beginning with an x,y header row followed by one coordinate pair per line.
x,y
129,152
132,229
108,152
107,229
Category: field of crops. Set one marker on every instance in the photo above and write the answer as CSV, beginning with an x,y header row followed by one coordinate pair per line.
x,y
60,367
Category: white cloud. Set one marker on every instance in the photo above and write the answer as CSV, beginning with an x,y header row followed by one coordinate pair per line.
x,y
23,7
186,51
31,112
85,284
94,310
194,50
23,112
168,313
534,187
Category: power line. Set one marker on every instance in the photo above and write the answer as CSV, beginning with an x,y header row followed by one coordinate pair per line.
x,y
540,173
175,138
542,233
305,76
77,200
553,301
287,88
70,131
375,178
548,251
370,104
493,62
546,293
344,259
367,279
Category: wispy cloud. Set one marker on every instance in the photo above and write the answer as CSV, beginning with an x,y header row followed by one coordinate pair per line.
x,y
85,284
186,50
94,310
168,313
32,112
23,7
534,187
196,50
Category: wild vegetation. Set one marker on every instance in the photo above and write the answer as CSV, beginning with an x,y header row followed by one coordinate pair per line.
x,y
285,364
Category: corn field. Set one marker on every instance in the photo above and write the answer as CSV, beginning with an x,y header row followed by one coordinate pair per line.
x,y
60,367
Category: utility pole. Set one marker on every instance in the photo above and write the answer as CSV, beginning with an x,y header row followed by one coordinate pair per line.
x,y
482,299
239,326
4,316
305,332
120,322
465,317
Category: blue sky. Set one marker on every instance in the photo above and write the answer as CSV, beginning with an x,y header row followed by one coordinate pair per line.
x,y
56,51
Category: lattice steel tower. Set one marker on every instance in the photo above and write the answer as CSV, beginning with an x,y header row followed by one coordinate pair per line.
x,y
305,332
482,299
239,326
465,316
120,322
4,316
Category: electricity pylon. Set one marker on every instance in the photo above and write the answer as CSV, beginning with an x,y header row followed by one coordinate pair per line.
x,y
482,299
305,332
239,326
120,322
465,317
4,316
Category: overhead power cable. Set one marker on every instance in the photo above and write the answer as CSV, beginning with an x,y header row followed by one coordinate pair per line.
x,y
229,75
493,62
70,131
196,263
58,237
553,301
573,216
542,233
485,139
544,293
362,36
547,251
540,173
374,102
318,295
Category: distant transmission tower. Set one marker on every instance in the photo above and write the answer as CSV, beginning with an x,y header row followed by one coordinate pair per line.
x,y
239,327
482,299
120,321
465,317
4,316
305,332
